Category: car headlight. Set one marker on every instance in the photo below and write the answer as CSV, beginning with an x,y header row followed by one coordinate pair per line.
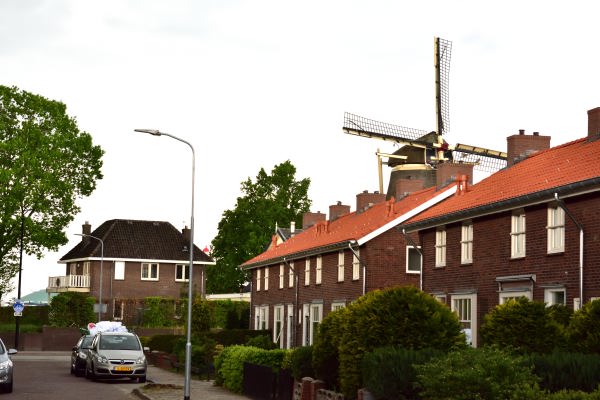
x,y
101,359
5,365
140,360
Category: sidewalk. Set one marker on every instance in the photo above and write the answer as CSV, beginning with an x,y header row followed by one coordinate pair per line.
x,y
167,385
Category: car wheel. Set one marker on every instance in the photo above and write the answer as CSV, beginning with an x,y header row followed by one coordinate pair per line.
x,y
142,379
72,370
8,388
89,372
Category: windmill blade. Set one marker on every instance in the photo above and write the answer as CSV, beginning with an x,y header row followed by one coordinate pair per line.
x,y
486,160
360,126
443,50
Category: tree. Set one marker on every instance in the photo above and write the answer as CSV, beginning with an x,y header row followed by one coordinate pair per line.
x,y
243,232
71,309
46,164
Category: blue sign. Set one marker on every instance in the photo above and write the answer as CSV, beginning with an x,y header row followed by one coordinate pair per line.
x,y
18,306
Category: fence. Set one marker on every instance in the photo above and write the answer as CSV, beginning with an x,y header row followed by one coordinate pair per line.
x,y
261,383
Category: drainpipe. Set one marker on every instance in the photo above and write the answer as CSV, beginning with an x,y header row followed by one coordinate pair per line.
x,y
414,245
296,312
562,205
364,266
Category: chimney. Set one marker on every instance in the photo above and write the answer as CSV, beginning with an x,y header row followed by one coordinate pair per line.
x,y
594,122
310,218
86,228
451,171
292,227
521,146
365,200
337,210
462,182
186,233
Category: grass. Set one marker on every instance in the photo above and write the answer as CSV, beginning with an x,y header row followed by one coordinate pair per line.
x,y
23,328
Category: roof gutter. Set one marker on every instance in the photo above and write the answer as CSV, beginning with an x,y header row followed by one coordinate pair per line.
x,y
562,205
528,199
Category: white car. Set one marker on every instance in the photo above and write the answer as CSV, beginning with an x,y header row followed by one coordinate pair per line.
x,y
116,355
6,368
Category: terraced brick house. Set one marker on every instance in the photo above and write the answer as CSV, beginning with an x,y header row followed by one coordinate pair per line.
x,y
138,259
531,229
297,282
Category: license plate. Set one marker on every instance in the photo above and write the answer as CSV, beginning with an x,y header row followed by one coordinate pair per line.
x,y
121,368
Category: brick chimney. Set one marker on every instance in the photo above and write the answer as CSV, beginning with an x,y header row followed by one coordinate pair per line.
x,y
521,146
186,233
451,171
86,229
594,121
337,210
311,218
365,200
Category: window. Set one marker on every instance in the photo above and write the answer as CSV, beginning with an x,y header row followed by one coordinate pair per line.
x,y
440,248
182,273
356,265
86,267
266,278
517,235
507,295
118,307
119,270
149,271
313,314
290,324
281,275
291,275
73,269
340,274
262,317
258,279
465,306
440,297
278,326
413,260
554,296
466,244
319,270
307,272
337,305
556,230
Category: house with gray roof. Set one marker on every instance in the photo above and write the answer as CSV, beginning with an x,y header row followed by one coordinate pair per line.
x,y
124,261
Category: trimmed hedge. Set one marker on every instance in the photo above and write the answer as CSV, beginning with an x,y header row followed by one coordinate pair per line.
x,y
561,370
584,329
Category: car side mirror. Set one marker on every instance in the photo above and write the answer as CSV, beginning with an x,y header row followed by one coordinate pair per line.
x,y
12,351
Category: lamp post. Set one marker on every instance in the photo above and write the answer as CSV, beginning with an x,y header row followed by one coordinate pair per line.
x,y
101,273
188,345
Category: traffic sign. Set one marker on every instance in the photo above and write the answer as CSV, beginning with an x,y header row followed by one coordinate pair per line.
x,y
18,306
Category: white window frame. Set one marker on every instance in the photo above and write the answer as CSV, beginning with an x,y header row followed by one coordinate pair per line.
x,y
319,270
148,267
305,324
466,243
261,318
556,230
316,316
291,275
281,275
459,303
258,279
119,270
356,265
440,247
340,268
507,295
278,319
86,267
290,324
184,272
517,235
307,272
266,278
549,294
417,250
338,305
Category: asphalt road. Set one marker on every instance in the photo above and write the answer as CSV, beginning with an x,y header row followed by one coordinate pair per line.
x,y
46,376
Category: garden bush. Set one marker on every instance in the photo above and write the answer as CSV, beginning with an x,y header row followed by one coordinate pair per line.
x,y
230,337
389,373
164,343
203,351
262,342
158,312
227,314
71,309
403,316
301,362
486,373
325,359
37,315
524,325
584,330
561,370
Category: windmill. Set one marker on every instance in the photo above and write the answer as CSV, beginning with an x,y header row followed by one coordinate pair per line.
x,y
423,152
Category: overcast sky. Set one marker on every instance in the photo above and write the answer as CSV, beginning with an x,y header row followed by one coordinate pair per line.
x,y
252,84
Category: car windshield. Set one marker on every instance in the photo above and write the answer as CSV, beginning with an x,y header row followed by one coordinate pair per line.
x,y
2,348
87,341
119,342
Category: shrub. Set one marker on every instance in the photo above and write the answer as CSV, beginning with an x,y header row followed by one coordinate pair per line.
x,y
230,337
227,314
164,343
561,370
584,329
524,325
262,342
485,373
561,314
158,312
301,362
71,309
203,351
403,316
37,315
389,373
325,359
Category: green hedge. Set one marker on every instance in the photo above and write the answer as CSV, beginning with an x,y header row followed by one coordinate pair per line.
x,y
584,330
561,370
32,315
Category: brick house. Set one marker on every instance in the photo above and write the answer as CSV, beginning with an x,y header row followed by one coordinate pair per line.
x,y
531,229
139,259
297,282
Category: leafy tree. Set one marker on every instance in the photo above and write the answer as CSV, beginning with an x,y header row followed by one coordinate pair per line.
x,y
243,232
71,309
46,164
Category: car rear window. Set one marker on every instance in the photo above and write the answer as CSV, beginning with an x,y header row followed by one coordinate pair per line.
x,y
119,342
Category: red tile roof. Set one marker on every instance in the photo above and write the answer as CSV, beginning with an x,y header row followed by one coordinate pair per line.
x,y
557,167
349,227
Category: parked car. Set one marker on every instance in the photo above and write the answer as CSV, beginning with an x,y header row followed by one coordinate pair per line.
x,y
6,368
79,354
116,355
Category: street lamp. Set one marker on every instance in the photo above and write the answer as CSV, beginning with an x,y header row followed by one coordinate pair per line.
x,y
188,345
101,265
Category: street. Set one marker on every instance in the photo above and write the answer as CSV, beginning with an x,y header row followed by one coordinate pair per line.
x,y
46,376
